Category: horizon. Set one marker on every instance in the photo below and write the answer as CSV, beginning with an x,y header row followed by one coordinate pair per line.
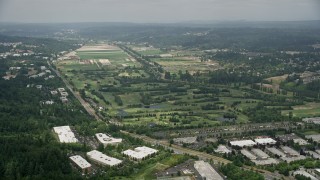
x,y
166,11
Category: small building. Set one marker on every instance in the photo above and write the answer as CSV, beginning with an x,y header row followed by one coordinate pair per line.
x,y
65,134
54,92
65,94
81,163
61,90
265,141
102,159
185,140
107,140
206,171
48,102
242,143
43,68
222,149
140,153
39,86
248,154
64,99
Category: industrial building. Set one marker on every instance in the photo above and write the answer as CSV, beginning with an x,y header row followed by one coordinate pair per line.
x,y
81,163
103,159
206,171
315,137
265,141
248,154
304,173
289,151
107,140
242,143
65,134
276,151
140,153
260,154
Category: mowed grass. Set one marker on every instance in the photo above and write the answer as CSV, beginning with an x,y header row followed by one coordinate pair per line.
x,y
307,110
148,172
183,64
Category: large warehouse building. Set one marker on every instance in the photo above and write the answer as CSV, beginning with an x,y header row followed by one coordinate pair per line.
x,y
65,134
107,140
103,159
140,153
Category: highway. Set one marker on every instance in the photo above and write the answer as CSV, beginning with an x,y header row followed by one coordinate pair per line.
x,y
85,104
177,149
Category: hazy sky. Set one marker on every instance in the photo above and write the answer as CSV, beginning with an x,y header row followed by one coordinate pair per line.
x,y
156,10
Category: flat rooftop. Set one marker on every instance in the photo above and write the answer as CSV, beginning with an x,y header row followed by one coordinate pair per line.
x,y
260,153
290,151
103,159
222,149
105,139
65,134
315,137
276,151
140,152
207,171
248,154
81,162
242,143
265,141
304,173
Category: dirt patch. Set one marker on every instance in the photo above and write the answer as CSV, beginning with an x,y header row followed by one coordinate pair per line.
x,y
99,47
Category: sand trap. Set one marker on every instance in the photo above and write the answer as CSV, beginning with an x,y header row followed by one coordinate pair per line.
x,y
98,47
105,62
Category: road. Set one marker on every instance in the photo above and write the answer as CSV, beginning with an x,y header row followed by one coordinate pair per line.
x,y
203,156
85,104
226,130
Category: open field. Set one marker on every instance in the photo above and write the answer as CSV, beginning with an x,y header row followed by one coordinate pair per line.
x,y
307,110
192,64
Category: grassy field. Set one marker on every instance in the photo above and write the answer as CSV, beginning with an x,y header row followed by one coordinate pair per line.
x,y
307,110
183,63
148,171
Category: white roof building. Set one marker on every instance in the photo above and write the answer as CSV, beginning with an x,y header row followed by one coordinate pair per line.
x,y
206,171
276,151
103,159
222,149
260,153
248,154
64,94
140,153
105,139
80,162
65,134
290,151
265,141
304,173
242,143
315,137
61,89
300,141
